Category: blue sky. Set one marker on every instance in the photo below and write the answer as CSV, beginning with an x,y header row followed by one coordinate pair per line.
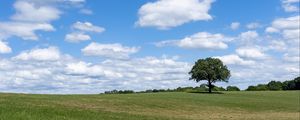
x,y
86,46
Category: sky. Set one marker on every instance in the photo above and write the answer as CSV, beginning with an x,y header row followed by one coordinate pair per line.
x,y
92,46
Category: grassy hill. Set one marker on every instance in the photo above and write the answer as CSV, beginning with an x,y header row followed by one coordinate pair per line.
x,y
264,105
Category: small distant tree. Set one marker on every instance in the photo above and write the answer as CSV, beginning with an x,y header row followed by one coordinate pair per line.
x,y
210,69
232,88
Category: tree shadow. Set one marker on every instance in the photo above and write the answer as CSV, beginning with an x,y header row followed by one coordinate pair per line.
x,y
198,92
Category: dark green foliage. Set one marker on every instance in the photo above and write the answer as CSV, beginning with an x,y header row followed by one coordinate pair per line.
x,y
251,88
272,85
155,90
202,87
291,85
184,89
232,88
211,70
275,85
119,92
259,87
216,88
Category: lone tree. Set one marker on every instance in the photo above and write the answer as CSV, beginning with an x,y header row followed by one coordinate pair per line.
x,y
210,69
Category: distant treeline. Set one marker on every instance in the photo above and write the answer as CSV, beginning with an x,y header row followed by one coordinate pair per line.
x,y
272,85
277,85
201,88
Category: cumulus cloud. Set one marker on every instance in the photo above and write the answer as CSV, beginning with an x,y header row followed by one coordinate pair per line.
x,y
201,40
40,54
25,31
165,14
4,48
87,27
277,45
55,72
235,59
251,52
271,30
234,25
253,25
286,23
247,71
27,11
290,5
247,38
289,33
77,37
265,57
291,58
288,27
116,51
81,30
30,16
86,11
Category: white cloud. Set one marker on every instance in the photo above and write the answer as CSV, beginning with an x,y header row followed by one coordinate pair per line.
x,y
23,30
249,37
250,52
76,1
28,11
81,30
286,23
86,11
58,3
68,75
87,27
234,25
288,28
77,37
4,48
165,14
235,60
271,30
201,40
253,25
41,54
290,5
291,58
116,50
277,45
90,70
292,34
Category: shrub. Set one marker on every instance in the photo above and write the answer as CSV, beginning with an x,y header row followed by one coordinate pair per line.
x,y
274,85
232,88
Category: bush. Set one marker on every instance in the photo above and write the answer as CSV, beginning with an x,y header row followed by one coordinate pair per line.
x,y
216,88
251,88
259,87
232,88
274,85
292,84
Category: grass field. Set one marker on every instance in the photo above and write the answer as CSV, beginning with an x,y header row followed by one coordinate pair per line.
x,y
266,105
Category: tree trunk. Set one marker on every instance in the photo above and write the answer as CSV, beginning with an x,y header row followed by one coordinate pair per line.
x,y
209,86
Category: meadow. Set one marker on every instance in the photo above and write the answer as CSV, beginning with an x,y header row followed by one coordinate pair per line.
x,y
239,105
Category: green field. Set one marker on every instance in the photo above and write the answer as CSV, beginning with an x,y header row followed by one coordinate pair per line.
x,y
266,105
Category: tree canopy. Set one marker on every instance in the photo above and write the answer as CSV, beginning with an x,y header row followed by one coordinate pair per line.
x,y
211,70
